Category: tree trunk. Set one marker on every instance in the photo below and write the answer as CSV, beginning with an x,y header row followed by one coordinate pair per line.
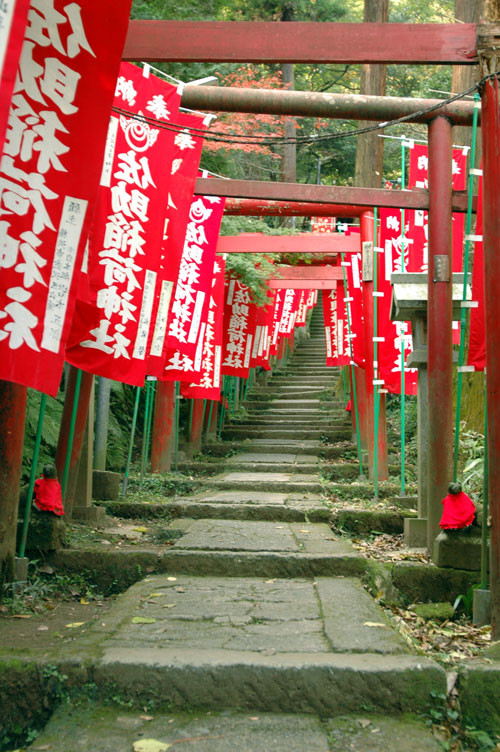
x,y
370,149
465,76
101,423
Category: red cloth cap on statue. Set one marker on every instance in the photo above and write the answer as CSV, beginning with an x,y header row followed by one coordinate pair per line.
x,y
458,511
48,497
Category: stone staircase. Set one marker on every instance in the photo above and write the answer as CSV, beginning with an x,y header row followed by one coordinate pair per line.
x,y
261,612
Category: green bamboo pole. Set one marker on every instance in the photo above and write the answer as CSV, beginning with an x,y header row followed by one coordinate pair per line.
x,y
376,396
190,422
71,435
145,430
150,419
176,423
210,416
484,527
34,464
353,373
344,386
131,442
403,270
465,265
222,406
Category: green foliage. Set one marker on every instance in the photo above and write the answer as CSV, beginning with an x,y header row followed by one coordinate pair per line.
x,y
51,423
170,484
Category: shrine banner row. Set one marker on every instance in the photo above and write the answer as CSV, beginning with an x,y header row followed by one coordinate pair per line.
x,y
109,259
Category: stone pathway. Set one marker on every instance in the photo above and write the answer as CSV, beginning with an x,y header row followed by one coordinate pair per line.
x,y
261,612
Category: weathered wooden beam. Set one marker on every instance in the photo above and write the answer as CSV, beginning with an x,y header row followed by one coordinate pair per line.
x,y
253,207
302,284
321,104
308,272
323,194
256,242
296,42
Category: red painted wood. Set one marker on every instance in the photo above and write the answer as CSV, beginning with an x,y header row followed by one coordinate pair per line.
x,y
302,284
305,243
321,104
359,375
12,414
308,272
491,239
163,434
367,235
439,327
261,208
273,42
325,194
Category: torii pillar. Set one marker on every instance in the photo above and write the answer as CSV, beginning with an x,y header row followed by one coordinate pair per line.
x,y
439,324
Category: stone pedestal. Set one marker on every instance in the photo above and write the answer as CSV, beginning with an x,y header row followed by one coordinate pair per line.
x,y
46,532
458,550
415,532
105,485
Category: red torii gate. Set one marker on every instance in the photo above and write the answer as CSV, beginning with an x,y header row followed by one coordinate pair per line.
x,y
454,44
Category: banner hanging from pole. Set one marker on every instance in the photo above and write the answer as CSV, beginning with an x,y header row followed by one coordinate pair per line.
x,y
50,168
110,334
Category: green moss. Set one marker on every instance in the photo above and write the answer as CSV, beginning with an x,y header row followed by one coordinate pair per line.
x,y
434,611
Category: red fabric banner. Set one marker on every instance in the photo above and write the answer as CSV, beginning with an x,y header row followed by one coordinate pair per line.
x,y
301,317
13,16
188,314
288,313
208,385
52,160
110,336
416,247
393,334
186,157
477,341
354,302
336,329
261,347
275,326
239,324
320,225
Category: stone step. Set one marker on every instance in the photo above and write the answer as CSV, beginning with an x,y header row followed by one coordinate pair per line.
x,y
296,412
315,448
249,431
115,729
264,481
252,462
283,421
258,642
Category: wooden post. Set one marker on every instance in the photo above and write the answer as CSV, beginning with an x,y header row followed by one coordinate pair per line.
x,y
196,426
439,324
12,416
163,427
360,376
81,421
490,52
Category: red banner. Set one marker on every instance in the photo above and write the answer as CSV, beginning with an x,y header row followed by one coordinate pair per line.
x,y
110,336
239,324
477,341
417,248
261,348
392,335
189,311
208,385
288,313
301,317
50,170
13,16
276,320
320,225
354,307
336,327
185,161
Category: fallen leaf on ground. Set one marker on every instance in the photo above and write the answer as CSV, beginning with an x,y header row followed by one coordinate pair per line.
x,y
373,624
21,616
150,745
171,579
74,624
269,582
180,590
364,722
254,717
156,595
140,529
84,602
304,531
143,620
43,628
146,717
169,605
46,569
